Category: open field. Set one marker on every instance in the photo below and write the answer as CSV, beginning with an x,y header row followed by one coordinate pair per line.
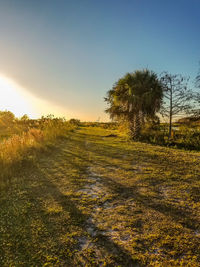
x,y
93,200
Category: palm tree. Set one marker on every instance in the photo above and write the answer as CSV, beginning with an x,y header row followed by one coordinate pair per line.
x,y
135,98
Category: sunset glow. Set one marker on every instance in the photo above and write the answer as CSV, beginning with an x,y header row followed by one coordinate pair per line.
x,y
13,98
19,101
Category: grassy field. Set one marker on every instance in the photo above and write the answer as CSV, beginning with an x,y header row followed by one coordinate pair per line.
x,y
98,200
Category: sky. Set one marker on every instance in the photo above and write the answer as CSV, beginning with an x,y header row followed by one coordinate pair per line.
x,y
62,56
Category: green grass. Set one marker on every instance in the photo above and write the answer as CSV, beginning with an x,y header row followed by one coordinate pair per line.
x,y
93,200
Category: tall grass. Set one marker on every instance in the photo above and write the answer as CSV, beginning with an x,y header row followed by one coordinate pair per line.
x,y
17,149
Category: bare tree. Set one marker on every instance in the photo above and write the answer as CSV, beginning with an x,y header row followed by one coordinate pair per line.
x,y
177,97
197,95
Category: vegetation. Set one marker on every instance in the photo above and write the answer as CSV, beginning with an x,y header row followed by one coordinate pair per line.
x,y
93,200
184,135
135,98
21,139
178,98
139,99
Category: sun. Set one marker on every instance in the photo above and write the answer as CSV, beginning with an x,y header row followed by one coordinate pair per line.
x,y
14,98
20,101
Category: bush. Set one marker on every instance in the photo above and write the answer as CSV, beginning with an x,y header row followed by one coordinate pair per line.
x,y
184,136
188,137
74,122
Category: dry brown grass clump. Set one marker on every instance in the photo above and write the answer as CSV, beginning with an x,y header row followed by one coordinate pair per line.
x,y
19,148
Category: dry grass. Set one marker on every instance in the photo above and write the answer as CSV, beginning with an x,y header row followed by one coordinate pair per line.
x,y
22,147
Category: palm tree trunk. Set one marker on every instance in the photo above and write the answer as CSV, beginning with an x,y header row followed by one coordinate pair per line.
x,y
135,126
141,115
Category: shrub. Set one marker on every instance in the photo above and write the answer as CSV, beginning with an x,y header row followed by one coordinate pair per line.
x,y
74,122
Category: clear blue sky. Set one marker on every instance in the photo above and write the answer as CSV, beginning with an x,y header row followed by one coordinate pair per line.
x,y
71,52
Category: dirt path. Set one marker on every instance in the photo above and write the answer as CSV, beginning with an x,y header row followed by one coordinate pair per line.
x,y
96,189
96,224
91,201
